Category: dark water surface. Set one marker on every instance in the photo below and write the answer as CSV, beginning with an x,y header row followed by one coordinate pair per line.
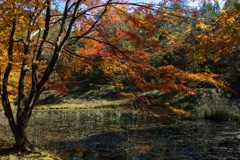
x,y
123,135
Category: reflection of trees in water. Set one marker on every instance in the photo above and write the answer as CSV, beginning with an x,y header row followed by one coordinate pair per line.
x,y
121,135
114,134
78,124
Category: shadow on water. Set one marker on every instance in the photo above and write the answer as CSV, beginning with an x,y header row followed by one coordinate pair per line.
x,y
124,135
165,143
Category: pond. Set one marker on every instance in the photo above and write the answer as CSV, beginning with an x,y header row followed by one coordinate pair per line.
x,y
120,134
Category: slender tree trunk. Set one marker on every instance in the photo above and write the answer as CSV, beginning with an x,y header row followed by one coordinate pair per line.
x,y
22,143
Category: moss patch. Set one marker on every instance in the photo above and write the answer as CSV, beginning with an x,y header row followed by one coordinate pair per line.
x,y
85,104
39,154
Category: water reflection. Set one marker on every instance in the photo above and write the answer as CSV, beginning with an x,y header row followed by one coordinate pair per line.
x,y
124,135
78,124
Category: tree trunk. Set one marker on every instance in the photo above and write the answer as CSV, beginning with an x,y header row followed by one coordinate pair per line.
x,y
22,143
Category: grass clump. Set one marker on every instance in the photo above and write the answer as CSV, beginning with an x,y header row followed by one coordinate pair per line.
x,y
215,105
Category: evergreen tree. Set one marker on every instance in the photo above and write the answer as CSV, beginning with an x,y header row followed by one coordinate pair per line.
x,y
231,4
208,12
216,7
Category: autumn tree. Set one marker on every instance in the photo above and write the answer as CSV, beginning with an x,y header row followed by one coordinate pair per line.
x,y
109,35
219,43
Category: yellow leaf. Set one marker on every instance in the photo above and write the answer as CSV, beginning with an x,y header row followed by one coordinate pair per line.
x,y
231,20
202,26
189,29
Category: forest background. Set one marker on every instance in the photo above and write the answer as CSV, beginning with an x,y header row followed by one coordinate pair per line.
x,y
197,42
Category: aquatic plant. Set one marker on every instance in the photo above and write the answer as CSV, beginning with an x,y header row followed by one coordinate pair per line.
x,y
216,105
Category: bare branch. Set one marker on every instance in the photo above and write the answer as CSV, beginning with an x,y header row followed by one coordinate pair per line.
x,y
74,54
92,27
4,93
37,56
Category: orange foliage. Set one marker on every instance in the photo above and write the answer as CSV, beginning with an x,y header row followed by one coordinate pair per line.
x,y
179,111
121,44
221,39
